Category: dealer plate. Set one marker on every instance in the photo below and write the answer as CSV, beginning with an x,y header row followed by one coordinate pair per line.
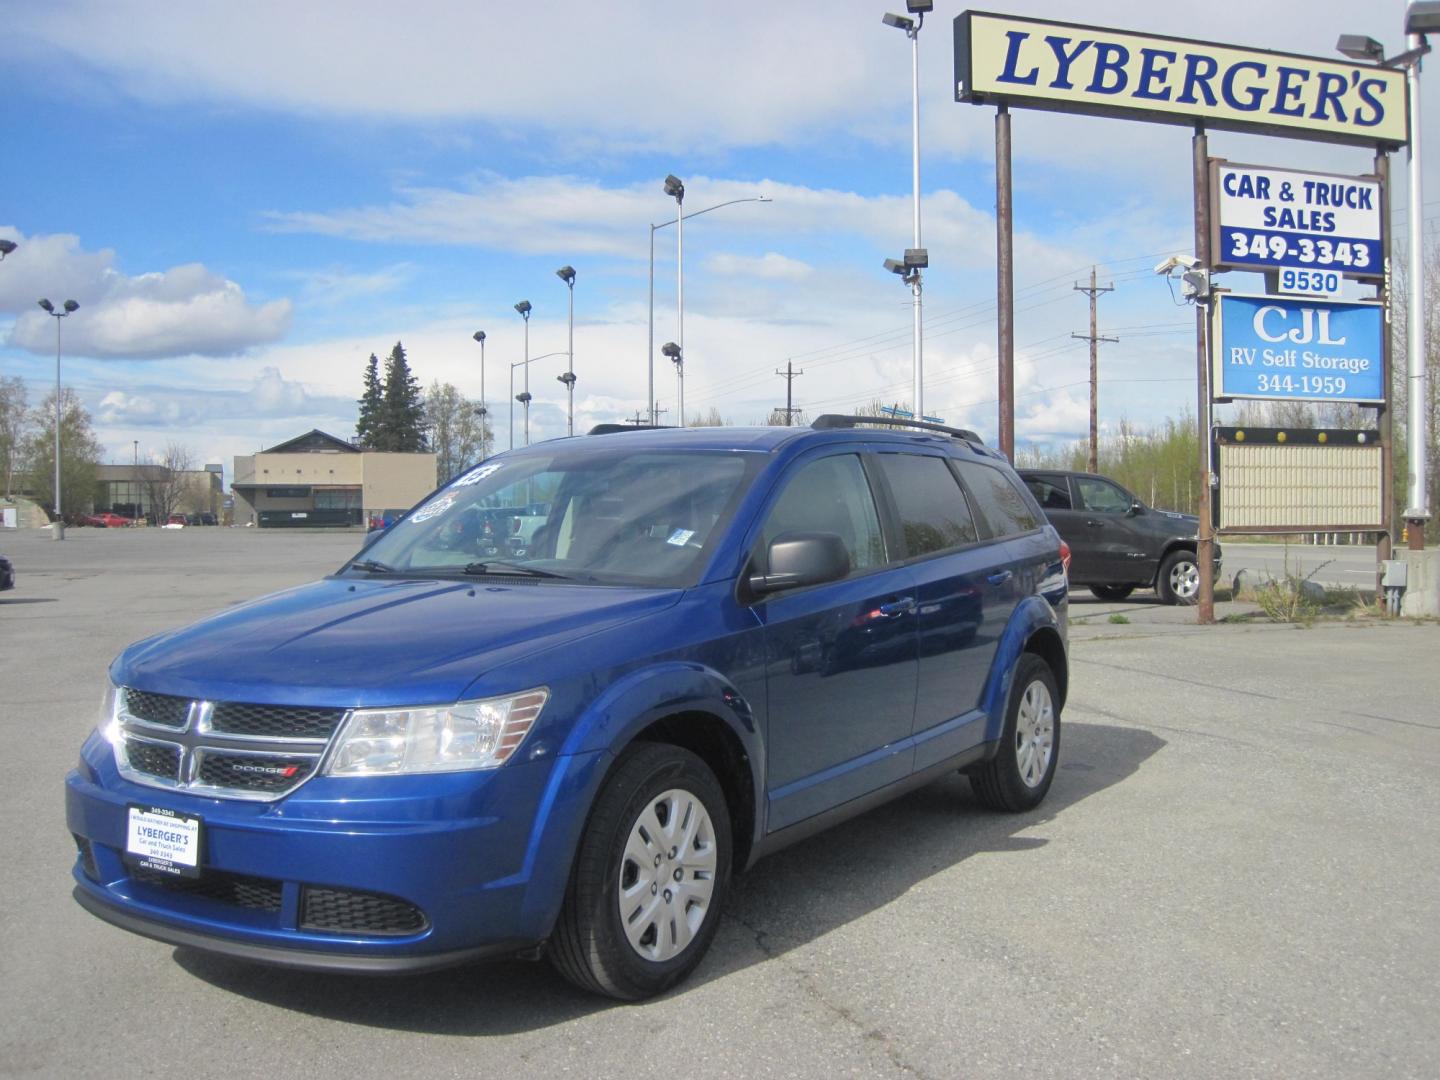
x,y
164,841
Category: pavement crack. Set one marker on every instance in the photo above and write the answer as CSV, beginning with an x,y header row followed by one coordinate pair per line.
x,y
841,1012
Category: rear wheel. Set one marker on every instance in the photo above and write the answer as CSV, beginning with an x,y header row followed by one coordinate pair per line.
x,y
1179,579
650,877
1112,592
1020,773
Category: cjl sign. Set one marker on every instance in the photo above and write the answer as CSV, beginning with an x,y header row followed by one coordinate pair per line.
x,y
1289,349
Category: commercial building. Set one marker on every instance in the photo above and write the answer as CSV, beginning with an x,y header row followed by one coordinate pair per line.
x,y
141,491
317,479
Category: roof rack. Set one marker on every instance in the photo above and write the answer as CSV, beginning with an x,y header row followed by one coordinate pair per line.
x,y
835,420
612,429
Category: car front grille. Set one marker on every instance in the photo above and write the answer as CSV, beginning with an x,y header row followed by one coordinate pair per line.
x,y
240,890
341,911
226,749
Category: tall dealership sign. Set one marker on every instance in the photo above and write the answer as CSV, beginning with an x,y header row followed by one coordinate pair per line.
x,y
1305,232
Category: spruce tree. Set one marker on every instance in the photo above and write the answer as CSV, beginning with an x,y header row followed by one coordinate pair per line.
x,y
371,404
402,416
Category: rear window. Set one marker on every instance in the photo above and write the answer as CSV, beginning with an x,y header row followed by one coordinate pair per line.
x,y
934,514
1001,499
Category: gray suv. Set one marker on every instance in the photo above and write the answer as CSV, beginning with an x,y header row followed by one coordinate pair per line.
x,y
1117,543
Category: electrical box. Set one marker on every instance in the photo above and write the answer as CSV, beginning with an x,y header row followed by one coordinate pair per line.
x,y
1393,573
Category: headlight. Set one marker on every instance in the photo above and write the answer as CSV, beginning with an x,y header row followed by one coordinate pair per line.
x,y
439,738
109,722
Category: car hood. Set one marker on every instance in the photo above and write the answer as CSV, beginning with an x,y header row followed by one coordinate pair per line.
x,y
346,642
1176,524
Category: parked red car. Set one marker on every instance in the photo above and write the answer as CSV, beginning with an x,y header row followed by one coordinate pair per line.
x,y
108,520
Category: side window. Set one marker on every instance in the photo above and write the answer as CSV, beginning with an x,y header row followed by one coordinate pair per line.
x,y
1051,492
1001,500
831,495
933,512
1101,496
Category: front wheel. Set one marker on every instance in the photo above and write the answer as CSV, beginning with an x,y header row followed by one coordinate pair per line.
x,y
1179,579
650,877
1020,773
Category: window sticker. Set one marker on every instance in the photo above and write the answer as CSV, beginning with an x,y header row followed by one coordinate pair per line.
x,y
434,508
680,537
475,475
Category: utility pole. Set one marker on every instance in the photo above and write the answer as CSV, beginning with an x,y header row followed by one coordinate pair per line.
x,y
789,375
1093,464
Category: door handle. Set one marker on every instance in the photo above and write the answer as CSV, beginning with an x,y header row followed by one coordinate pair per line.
x,y
1095,524
899,606
1001,578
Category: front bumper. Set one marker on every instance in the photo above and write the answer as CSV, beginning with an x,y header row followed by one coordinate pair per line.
x,y
372,875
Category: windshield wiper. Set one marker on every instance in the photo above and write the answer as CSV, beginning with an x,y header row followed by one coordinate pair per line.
x,y
500,566
371,566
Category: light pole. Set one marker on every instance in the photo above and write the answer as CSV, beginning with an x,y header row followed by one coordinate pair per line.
x,y
567,275
479,336
1420,18
70,306
916,258
677,357
523,307
663,224
525,397
676,190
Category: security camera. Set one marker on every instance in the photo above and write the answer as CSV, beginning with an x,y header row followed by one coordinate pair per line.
x,y
1180,262
1195,284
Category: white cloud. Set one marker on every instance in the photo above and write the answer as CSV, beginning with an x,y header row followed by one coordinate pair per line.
x,y
177,312
772,266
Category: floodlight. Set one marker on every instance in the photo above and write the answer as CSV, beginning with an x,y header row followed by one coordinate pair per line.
x,y
479,335
671,350
895,267
71,305
566,274
523,307
920,7
899,22
6,247
1422,17
47,306
1360,47
674,187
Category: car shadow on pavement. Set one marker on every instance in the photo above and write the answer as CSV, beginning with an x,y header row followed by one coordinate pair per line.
x,y
16,601
785,902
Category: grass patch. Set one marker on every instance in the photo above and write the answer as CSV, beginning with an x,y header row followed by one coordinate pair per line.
x,y
1120,620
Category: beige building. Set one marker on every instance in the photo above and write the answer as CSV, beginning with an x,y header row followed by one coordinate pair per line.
x,y
317,479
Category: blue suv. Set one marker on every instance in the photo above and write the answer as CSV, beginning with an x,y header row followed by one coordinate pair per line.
x,y
572,692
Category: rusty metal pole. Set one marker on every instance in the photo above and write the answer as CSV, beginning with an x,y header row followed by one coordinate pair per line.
x,y
1384,419
1205,537
1093,463
1005,280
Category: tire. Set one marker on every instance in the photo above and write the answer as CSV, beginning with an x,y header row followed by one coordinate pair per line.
x,y
1020,773
1112,592
672,891
1178,581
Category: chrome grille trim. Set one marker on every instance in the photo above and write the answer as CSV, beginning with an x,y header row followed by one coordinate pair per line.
x,y
196,743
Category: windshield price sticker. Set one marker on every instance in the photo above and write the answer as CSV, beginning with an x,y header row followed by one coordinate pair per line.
x,y
1294,349
1270,218
164,841
475,475
434,508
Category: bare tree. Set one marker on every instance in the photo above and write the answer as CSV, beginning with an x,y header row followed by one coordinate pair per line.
x,y
165,482
14,429
455,428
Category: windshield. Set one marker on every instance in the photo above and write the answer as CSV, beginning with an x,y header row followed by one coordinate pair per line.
x,y
577,514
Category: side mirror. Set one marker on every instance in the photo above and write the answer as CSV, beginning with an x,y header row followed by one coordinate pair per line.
x,y
1136,507
802,558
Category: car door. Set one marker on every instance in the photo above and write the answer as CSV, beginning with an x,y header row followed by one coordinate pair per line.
x,y
840,658
1052,492
1122,554
962,599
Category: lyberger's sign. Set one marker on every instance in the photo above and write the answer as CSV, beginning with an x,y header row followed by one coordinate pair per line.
x,y
1068,68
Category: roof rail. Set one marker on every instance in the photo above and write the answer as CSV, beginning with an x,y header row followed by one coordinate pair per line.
x,y
612,429
835,420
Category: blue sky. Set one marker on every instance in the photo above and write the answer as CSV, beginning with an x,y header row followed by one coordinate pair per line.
x,y
248,200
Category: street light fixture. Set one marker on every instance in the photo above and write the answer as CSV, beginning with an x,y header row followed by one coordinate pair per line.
x,y
524,396
479,336
1421,18
567,275
523,307
653,228
673,351
70,307
6,247
912,27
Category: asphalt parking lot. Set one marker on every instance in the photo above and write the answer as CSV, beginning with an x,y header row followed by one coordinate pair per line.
x,y
1237,874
